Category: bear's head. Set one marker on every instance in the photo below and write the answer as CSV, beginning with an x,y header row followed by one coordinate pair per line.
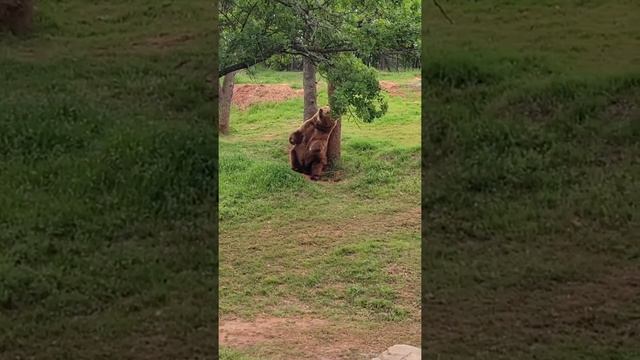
x,y
323,122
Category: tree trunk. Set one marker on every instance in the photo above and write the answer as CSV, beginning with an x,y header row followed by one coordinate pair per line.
x,y
334,144
310,90
224,105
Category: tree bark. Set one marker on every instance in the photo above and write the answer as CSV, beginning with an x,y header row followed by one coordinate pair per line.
x,y
310,89
224,104
334,144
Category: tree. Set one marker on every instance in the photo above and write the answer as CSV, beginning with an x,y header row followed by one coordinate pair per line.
x,y
224,106
309,86
328,34
353,88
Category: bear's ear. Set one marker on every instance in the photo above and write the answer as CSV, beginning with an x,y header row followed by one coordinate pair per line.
x,y
296,138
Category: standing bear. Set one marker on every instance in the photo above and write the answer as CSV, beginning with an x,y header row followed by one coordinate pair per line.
x,y
309,152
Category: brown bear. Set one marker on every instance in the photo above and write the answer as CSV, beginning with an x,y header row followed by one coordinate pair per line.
x,y
309,152
16,15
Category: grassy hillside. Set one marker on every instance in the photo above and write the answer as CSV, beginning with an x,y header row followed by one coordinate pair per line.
x,y
532,148
342,254
107,183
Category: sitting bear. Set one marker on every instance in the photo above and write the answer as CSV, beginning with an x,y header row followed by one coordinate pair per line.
x,y
309,152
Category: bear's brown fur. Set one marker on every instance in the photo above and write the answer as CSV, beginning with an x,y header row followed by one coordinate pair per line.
x,y
309,152
16,16
300,140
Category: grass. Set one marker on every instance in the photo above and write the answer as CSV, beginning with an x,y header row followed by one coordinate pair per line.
x,y
340,251
531,151
108,183
229,354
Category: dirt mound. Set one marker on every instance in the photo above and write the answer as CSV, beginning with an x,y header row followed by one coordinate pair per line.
x,y
245,95
416,84
391,87
395,89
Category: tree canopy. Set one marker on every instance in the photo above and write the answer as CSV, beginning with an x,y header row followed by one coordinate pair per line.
x,y
255,30
333,34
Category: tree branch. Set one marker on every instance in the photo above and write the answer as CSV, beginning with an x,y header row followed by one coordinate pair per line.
x,y
247,64
248,15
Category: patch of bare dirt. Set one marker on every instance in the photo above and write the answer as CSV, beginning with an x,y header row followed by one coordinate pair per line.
x,y
391,87
243,333
245,95
395,89
313,339
327,177
416,84
163,41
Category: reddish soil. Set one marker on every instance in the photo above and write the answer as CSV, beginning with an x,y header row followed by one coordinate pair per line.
x,y
242,333
313,339
245,95
391,87
401,90
416,84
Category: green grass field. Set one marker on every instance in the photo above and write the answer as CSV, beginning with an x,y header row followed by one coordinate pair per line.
x,y
107,183
346,253
531,195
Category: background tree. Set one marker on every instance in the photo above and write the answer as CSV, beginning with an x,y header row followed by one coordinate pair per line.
x,y
246,39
